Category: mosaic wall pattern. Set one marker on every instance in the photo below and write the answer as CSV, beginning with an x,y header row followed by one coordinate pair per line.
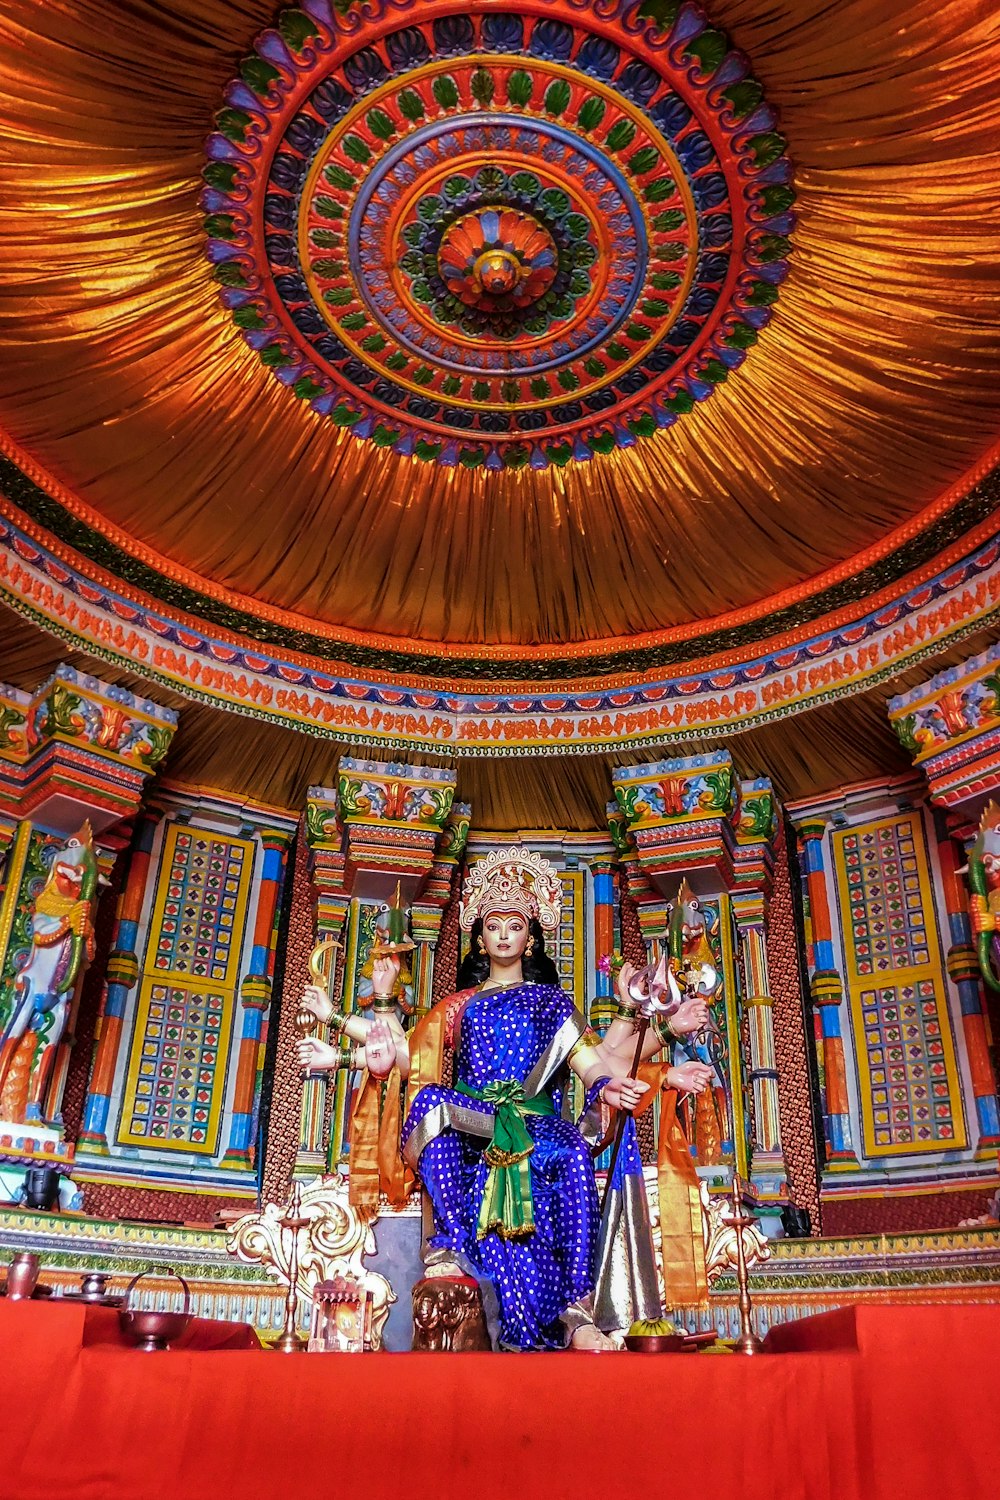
x,y
176,1076
887,924
173,1100
910,1090
196,921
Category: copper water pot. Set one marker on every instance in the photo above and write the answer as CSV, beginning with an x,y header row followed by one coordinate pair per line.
x,y
22,1275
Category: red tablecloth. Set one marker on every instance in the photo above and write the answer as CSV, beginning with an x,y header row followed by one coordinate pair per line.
x,y
879,1402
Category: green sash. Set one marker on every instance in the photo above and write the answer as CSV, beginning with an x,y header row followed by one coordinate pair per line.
x,y
507,1206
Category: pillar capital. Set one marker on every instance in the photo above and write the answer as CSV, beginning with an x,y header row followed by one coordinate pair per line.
x,y
78,748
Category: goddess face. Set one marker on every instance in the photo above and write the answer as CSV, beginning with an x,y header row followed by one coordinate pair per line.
x,y
505,935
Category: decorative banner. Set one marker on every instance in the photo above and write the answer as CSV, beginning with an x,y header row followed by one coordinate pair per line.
x,y
492,237
696,701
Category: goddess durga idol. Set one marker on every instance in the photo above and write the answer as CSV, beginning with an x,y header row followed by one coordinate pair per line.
x,y
510,1177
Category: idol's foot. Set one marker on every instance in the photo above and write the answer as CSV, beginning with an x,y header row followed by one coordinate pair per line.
x,y
589,1337
443,1268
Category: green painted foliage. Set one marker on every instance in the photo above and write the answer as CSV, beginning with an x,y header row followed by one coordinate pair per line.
x,y
520,87
327,208
219,226
411,105
445,91
353,321
275,357
557,97
482,87
709,49
296,28
767,147
257,74
591,114
659,189
357,149
229,274
220,174
338,176
381,125
233,123
643,161
621,134
743,97
248,317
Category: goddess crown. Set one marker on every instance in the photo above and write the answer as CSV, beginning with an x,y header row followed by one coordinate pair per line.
x,y
513,879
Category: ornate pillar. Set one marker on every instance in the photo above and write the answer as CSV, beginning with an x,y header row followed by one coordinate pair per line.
x,y
768,1172
75,757
382,825
827,989
963,970
323,831
255,998
602,871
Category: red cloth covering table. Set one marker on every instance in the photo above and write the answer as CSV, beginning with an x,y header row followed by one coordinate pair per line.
x,y
876,1402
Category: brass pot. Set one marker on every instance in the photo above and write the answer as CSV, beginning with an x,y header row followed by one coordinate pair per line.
x,y
22,1275
149,1329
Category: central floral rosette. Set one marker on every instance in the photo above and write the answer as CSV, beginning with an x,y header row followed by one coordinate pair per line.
x,y
495,237
497,259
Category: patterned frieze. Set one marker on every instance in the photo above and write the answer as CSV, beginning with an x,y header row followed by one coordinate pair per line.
x,y
78,747
951,726
363,692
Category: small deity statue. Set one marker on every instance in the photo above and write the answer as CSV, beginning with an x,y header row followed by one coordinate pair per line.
x,y
62,940
510,1180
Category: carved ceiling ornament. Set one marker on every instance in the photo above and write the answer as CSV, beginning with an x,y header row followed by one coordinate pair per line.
x,y
494,237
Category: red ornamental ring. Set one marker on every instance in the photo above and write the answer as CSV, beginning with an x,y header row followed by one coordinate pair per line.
x,y
498,237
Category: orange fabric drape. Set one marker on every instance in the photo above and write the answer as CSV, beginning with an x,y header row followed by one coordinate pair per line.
x,y
682,1243
872,391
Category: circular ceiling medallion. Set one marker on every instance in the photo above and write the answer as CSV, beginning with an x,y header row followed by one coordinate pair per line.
x,y
498,239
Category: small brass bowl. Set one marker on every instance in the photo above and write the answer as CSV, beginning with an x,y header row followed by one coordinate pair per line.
x,y
149,1329
656,1343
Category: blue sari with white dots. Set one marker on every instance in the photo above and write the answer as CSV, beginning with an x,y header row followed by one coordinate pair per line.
x,y
525,1034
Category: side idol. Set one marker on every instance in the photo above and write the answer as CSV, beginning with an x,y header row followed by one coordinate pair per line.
x,y
509,1176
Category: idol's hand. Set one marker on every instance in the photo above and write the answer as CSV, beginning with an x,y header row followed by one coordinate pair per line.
x,y
385,972
690,1077
316,1003
690,1017
380,1050
626,974
318,1057
624,1093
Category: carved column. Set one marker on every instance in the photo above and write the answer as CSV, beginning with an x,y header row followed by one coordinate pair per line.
x,y
323,831
767,1163
255,998
964,971
121,977
602,870
827,989
75,757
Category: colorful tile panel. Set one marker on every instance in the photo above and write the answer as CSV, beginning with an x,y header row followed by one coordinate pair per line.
x,y
199,898
887,925
908,1080
177,1068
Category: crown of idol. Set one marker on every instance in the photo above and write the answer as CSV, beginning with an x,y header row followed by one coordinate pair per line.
x,y
512,880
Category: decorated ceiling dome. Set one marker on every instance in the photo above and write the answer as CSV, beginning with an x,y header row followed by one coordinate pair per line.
x,y
494,237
